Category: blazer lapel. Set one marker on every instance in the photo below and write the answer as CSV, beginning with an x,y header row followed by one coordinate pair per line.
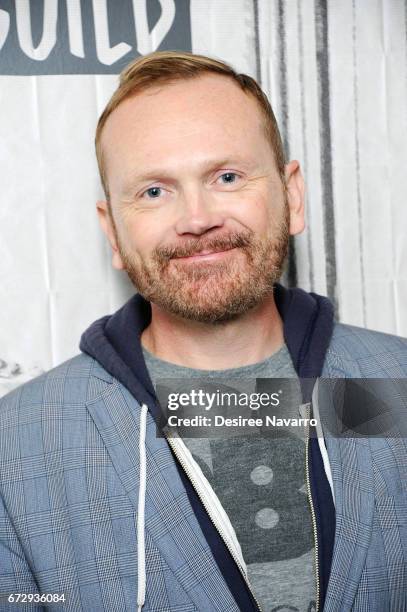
x,y
351,465
169,519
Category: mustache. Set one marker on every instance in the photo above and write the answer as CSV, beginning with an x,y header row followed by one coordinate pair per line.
x,y
217,243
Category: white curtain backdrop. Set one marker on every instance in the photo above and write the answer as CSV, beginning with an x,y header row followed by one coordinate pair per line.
x,y
336,74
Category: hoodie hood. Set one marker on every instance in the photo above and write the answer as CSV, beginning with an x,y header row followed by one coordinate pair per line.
x,y
114,341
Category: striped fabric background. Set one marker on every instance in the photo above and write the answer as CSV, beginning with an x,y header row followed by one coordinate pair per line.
x,y
336,74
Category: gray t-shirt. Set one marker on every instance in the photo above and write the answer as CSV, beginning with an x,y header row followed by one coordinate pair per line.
x,y
260,483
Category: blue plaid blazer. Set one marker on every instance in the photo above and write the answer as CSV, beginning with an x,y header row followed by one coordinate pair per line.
x,y
69,477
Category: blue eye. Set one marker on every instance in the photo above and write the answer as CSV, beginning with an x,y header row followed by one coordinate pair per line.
x,y
230,177
153,192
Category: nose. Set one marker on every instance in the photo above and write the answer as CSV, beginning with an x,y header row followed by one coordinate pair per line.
x,y
198,212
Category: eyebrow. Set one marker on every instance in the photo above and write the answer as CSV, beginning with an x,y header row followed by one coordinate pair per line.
x,y
207,166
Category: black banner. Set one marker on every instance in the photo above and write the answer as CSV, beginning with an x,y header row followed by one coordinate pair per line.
x,y
87,36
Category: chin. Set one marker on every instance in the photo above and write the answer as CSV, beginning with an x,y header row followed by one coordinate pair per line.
x,y
213,312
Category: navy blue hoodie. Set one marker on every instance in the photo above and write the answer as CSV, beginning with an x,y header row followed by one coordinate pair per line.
x,y
114,341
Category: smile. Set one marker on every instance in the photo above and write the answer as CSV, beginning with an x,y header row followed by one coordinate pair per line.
x,y
206,255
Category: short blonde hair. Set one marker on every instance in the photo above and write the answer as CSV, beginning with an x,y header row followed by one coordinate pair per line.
x,y
171,66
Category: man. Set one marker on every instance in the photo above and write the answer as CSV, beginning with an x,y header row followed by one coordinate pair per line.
x,y
100,509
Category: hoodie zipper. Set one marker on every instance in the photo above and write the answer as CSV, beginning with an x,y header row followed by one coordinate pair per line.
x,y
313,518
314,522
191,478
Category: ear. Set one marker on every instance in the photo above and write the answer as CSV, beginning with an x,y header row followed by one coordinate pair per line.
x,y
295,188
107,225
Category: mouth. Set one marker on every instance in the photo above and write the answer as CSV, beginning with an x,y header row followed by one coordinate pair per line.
x,y
206,255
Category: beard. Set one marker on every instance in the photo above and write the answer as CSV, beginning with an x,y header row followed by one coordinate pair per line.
x,y
216,291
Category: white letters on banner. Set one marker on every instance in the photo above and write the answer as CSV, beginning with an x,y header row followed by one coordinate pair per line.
x,y
24,30
145,41
150,41
75,28
4,27
106,54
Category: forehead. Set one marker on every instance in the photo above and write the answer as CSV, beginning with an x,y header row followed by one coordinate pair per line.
x,y
188,117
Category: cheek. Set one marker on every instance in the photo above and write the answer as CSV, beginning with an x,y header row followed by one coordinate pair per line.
x,y
272,211
140,234
256,214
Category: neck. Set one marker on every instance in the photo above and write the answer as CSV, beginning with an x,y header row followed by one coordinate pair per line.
x,y
249,339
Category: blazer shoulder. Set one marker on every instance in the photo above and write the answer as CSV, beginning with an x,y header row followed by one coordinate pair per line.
x,y
359,352
77,380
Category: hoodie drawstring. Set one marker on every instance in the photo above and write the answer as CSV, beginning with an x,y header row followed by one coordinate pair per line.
x,y
141,552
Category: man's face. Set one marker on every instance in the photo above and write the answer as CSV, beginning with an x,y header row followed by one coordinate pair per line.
x,y
200,218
